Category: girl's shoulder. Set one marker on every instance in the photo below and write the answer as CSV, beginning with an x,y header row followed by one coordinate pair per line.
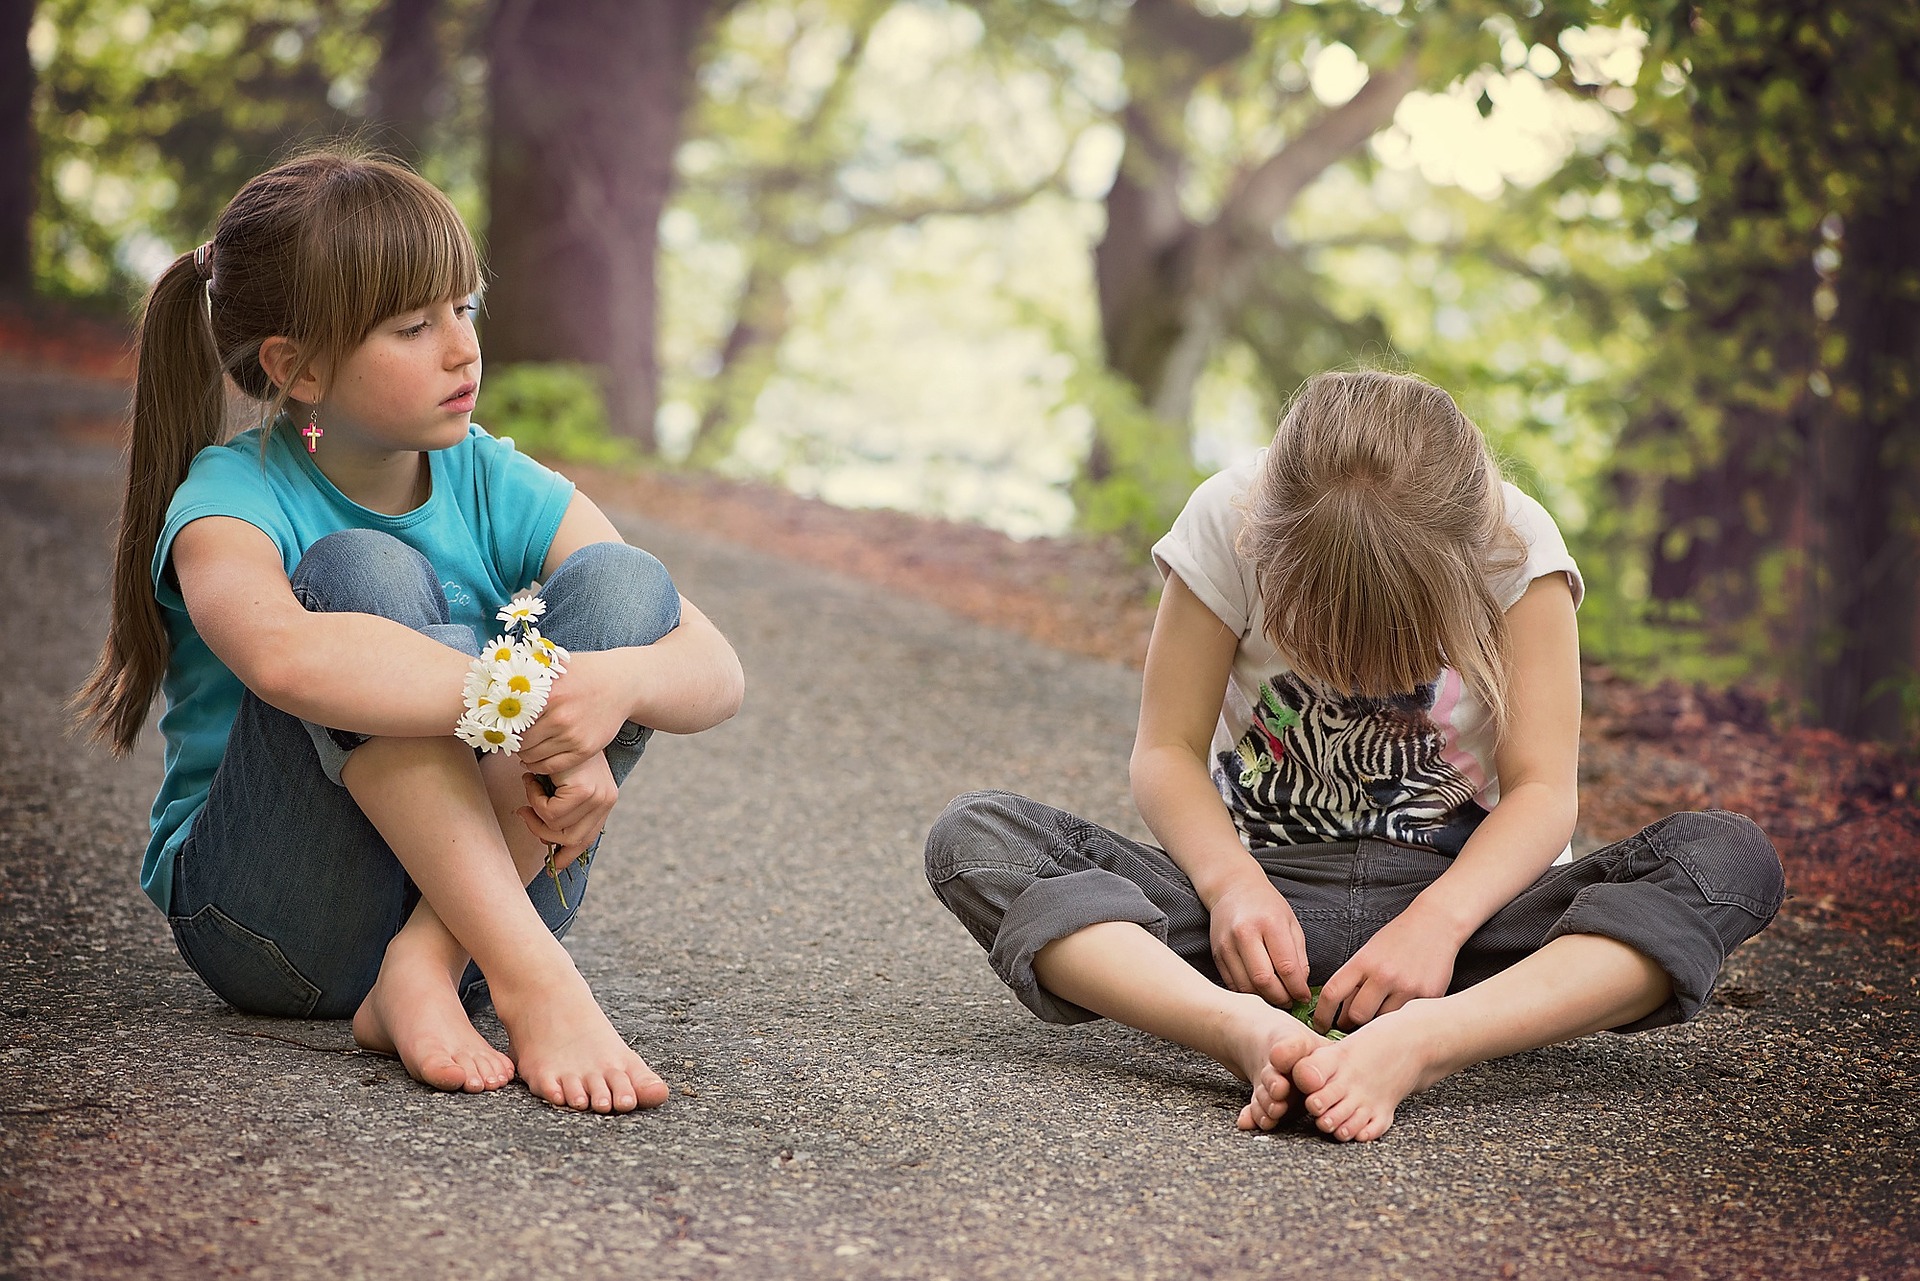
x,y
1544,547
1203,547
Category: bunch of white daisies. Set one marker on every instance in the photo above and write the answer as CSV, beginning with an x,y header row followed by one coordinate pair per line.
x,y
507,685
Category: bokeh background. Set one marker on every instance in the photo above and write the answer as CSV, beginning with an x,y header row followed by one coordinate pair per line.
x,y
1042,264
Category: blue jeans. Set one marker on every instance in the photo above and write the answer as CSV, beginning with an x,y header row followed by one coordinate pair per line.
x,y
284,895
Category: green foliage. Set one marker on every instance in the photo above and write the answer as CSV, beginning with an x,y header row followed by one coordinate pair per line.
x,y
151,115
554,410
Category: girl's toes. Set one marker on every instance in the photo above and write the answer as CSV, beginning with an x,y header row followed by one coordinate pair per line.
x,y
1311,1075
1339,1116
649,1090
599,1095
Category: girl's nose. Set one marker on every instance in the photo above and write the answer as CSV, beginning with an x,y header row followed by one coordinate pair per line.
x,y
464,346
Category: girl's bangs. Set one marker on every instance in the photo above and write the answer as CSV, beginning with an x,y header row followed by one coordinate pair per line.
x,y
410,250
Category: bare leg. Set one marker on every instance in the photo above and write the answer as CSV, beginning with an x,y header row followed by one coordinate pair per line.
x,y
1575,985
1119,970
428,799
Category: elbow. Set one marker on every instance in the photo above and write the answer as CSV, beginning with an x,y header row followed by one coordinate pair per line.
x,y
732,688
276,678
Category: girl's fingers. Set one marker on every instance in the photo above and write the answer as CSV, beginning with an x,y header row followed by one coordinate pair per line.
x,y
1261,975
1227,961
1289,953
1305,990
1332,997
1364,1005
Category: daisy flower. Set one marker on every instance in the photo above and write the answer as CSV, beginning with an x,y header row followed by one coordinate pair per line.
x,y
521,611
512,712
546,653
480,676
480,732
525,674
500,649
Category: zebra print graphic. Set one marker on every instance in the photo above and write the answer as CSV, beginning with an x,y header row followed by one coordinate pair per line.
x,y
1317,768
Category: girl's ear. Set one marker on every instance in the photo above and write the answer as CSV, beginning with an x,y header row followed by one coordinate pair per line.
x,y
278,359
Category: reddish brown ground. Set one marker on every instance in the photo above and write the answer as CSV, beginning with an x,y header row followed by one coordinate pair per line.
x,y
1845,815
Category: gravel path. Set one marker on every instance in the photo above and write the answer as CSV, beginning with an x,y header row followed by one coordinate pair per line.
x,y
854,1094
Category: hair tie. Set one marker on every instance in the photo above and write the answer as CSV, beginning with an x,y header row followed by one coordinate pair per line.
x,y
203,262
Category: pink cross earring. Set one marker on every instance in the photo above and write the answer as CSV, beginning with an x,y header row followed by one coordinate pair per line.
x,y
312,431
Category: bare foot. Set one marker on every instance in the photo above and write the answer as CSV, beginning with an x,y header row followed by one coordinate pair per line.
x,y
569,1054
1267,1045
414,1012
1352,1086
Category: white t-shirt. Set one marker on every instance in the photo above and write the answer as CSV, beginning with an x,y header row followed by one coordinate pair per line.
x,y
1296,765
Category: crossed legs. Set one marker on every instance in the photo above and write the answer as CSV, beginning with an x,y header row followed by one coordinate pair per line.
x,y
453,829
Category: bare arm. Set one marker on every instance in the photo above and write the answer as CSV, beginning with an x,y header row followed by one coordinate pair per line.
x,y
307,664
687,681
1256,941
1538,765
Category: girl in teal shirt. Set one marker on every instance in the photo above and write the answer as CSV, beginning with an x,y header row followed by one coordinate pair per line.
x,y
309,597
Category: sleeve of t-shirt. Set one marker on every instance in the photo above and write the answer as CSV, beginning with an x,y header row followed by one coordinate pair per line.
x,y
523,501
1546,551
222,481
1200,547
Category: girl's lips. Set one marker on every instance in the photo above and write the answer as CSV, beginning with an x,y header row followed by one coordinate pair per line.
x,y
461,401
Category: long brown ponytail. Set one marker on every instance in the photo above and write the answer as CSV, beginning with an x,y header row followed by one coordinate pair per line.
x,y
317,250
177,411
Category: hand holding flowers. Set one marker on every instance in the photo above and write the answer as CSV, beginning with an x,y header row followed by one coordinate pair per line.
x,y
583,714
507,688
509,684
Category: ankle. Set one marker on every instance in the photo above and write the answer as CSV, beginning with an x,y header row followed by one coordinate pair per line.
x,y
531,981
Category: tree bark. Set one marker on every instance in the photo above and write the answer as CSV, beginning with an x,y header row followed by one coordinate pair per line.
x,y
19,152
588,100
405,92
1867,474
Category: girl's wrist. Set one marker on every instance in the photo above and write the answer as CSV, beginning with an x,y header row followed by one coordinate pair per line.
x,y
1437,915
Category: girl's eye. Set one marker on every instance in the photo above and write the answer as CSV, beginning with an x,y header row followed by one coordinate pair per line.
x,y
414,331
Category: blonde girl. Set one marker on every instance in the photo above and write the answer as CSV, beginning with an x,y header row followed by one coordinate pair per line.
x,y
308,596
1357,750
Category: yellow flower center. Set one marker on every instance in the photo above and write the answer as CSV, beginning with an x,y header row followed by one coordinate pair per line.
x,y
519,684
509,707
494,735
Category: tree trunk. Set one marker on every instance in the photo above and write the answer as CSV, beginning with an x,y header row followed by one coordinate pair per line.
x,y
1143,265
588,98
1868,475
404,96
1169,289
19,154
747,360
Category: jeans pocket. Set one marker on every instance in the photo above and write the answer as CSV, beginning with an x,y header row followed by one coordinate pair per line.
x,y
1727,858
245,970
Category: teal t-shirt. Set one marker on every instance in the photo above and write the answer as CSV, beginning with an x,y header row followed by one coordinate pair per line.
x,y
486,528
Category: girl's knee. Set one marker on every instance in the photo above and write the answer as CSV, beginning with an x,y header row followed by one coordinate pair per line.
x,y
364,571
1728,856
977,829
609,595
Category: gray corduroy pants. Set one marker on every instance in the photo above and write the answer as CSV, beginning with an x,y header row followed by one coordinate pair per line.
x,y
1684,892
